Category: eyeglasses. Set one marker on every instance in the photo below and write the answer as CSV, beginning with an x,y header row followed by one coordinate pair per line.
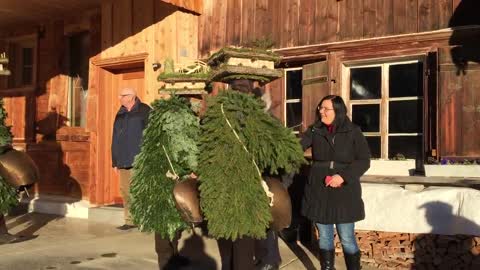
x,y
125,95
324,108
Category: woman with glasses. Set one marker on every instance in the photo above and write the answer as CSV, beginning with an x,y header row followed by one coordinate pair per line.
x,y
333,195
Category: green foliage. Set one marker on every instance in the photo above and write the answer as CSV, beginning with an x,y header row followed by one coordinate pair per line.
x,y
173,125
5,134
263,43
256,53
170,73
168,67
399,156
8,197
8,194
202,75
232,199
246,76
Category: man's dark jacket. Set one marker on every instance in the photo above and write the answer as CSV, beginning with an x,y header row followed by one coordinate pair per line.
x,y
127,134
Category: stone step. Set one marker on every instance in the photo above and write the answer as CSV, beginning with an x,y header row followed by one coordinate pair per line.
x,y
68,207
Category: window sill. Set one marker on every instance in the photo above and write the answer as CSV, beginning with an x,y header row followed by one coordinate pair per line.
x,y
392,167
452,170
30,89
74,134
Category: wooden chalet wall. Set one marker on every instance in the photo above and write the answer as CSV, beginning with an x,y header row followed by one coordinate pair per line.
x,y
341,31
38,113
292,23
135,34
148,26
75,161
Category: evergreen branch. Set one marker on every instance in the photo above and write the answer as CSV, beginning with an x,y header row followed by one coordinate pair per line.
x,y
8,196
264,185
174,129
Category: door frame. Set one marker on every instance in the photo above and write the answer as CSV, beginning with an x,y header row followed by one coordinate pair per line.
x,y
100,153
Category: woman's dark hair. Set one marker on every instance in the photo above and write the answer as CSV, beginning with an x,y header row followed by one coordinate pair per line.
x,y
339,108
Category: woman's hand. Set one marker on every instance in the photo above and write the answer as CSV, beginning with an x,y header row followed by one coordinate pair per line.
x,y
336,181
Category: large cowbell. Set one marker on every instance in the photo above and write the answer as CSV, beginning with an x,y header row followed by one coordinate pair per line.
x,y
282,206
187,200
18,169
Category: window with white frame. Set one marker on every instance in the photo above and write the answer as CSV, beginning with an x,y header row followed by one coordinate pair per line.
x,y
77,88
293,98
386,101
22,56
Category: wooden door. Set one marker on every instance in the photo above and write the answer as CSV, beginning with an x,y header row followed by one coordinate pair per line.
x,y
459,109
113,81
315,87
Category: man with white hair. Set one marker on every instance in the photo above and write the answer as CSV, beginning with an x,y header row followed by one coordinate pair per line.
x,y
131,119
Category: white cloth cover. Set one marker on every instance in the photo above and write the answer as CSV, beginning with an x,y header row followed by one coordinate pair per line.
x,y
437,210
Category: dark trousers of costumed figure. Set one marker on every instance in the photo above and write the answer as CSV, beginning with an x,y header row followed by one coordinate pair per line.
x,y
267,250
3,225
5,237
166,249
238,254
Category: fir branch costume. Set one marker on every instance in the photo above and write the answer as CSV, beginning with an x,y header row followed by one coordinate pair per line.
x,y
232,197
8,194
172,130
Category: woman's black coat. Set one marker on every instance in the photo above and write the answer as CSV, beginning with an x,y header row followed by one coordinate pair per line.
x,y
348,149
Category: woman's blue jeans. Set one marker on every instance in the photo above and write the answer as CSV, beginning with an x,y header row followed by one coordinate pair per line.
x,y
346,231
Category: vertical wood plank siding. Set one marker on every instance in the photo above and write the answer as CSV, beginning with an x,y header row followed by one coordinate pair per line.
x,y
291,23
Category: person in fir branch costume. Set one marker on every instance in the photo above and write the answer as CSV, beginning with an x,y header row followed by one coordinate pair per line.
x,y
168,155
8,194
267,252
239,143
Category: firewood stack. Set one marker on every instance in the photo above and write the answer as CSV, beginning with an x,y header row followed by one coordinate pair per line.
x,y
387,250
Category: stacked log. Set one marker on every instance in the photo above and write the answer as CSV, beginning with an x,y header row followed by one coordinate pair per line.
x,y
390,250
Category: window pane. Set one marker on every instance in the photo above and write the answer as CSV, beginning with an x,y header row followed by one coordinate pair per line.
x,y
406,146
367,117
294,115
27,56
27,75
405,116
406,80
366,83
294,84
374,145
78,64
27,70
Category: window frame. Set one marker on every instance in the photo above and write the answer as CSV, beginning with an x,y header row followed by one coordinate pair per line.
x,y
72,79
290,101
384,100
25,41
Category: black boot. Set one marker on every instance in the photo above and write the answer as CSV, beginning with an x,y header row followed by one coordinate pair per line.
x,y
352,261
327,259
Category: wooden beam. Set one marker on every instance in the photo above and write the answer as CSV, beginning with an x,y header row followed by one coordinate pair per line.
x,y
119,62
195,6
439,35
19,91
